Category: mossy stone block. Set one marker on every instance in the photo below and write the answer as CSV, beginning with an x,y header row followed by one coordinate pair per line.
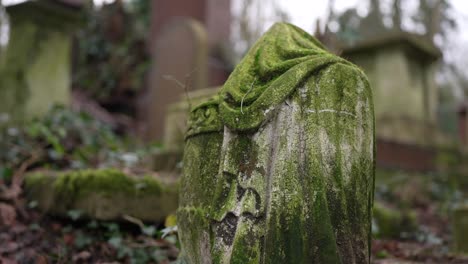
x,y
102,194
35,68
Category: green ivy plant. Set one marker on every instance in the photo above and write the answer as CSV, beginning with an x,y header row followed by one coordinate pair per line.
x,y
65,139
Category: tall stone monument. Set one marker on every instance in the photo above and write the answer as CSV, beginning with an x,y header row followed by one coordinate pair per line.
x,y
180,65
401,68
279,166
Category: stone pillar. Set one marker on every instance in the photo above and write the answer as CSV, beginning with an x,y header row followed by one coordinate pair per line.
x,y
35,72
179,66
410,114
279,166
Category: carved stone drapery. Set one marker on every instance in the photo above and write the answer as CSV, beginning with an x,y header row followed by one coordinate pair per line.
x,y
279,168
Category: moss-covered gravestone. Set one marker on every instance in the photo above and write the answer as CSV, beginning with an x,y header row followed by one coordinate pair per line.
x,y
279,167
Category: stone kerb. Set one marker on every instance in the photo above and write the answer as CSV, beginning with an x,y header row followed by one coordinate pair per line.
x,y
104,194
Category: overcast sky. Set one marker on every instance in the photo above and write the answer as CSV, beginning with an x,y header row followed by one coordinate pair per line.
x,y
304,13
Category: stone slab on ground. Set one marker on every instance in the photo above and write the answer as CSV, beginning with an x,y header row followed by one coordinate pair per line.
x,y
103,194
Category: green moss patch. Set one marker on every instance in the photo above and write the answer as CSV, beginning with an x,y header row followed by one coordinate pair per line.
x,y
282,163
102,194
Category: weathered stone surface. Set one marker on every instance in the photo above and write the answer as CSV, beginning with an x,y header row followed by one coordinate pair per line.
x,y
103,194
406,107
35,68
170,158
279,167
177,115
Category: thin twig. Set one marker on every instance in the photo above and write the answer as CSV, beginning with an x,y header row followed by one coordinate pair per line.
x,y
134,220
184,86
14,191
171,78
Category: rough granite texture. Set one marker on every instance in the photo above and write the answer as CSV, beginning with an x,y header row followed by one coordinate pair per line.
x,y
279,167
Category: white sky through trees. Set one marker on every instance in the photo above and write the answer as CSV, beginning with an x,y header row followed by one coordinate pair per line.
x,y
304,13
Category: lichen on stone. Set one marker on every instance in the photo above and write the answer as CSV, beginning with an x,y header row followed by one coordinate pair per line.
x,y
286,172
272,70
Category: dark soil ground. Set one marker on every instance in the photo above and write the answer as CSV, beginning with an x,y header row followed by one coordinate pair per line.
x,y
44,239
28,236
47,240
432,244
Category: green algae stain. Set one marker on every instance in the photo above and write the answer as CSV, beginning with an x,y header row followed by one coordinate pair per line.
x,y
318,204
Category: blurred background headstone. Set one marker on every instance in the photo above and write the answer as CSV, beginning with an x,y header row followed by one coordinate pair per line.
x,y
180,65
35,72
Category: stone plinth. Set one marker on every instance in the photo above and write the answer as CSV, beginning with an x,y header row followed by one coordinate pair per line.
x,y
401,70
35,68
